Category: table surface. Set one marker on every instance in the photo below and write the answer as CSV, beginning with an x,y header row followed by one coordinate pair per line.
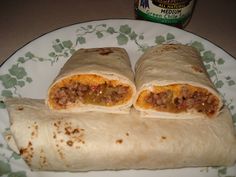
x,y
24,20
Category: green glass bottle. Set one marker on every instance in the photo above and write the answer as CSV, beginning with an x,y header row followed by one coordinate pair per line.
x,y
171,12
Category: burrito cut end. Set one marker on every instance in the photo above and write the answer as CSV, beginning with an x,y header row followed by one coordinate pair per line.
x,y
179,98
173,82
88,89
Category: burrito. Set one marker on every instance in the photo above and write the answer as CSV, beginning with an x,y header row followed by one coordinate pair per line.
x,y
172,82
49,140
97,79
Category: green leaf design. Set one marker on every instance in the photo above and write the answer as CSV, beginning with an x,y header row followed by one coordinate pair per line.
x,y
222,171
125,29
21,83
219,84
58,48
90,26
110,30
80,40
18,72
16,156
141,37
234,117
231,82
29,79
72,51
17,174
208,56
212,73
198,45
133,35
228,78
65,54
52,54
99,34
220,61
21,60
207,66
231,107
67,44
2,105
29,55
159,39
170,36
8,81
57,41
122,39
4,168
6,93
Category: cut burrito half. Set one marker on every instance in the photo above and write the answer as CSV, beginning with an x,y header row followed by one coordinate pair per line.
x,y
48,140
97,79
172,82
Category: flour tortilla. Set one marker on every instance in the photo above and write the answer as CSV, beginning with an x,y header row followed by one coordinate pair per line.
x,y
53,141
109,63
170,64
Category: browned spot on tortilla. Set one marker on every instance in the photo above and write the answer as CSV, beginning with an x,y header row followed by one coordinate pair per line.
x,y
34,130
54,136
127,134
75,134
20,108
43,159
170,47
70,143
197,69
104,51
163,137
61,154
27,152
8,137
76,130
119,141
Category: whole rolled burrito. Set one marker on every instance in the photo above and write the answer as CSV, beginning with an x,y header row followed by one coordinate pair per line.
x,y
172,82
48,140
97,79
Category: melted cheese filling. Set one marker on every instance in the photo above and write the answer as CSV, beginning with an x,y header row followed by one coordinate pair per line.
x,y
88,89
177,98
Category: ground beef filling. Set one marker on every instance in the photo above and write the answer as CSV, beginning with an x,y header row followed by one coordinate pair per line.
x,y
103,94
199,99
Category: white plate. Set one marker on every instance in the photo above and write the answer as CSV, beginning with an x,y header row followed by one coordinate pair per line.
x,y
30,70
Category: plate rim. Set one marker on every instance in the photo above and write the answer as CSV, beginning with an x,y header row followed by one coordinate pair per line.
x,y
111,19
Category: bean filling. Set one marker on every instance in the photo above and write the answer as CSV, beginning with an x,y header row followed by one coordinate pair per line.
x,y
187,97
102,94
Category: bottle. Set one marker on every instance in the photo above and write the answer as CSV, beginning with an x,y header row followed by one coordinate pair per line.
x,y
171,12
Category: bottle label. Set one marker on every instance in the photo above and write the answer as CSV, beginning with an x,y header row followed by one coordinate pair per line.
x,y
165,11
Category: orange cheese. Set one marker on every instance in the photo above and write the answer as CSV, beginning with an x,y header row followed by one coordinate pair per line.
x,y
174,88
90,80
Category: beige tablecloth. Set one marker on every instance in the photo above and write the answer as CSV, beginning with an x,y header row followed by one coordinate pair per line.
x,y
24,20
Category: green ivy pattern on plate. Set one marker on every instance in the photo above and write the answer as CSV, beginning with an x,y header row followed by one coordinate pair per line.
x,y
17,75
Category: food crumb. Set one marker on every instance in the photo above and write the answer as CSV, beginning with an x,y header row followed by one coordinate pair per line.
x,y
20,108
119,141
163,137
69,143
